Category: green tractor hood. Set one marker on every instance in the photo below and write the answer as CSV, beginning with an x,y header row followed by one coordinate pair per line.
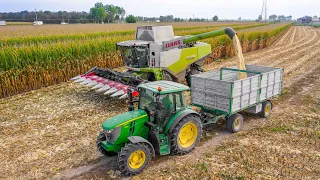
x,y
123,119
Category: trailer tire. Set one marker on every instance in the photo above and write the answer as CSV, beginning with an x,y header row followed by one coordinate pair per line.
x,y
235,123
266,109
186,135
133,158
102,137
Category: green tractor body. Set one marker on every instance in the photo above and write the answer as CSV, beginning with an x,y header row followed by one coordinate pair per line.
x,y
161,107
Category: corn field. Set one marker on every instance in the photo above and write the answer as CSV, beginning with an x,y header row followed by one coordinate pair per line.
x,y
28,63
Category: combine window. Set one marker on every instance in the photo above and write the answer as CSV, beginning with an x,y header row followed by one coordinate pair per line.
x,y
135,56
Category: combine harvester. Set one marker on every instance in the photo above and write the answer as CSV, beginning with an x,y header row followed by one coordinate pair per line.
x,y
155,55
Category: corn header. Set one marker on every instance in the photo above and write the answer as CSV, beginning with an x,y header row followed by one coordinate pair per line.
x,y
156,54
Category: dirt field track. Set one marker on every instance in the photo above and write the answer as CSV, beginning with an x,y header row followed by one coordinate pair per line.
x,y
51,132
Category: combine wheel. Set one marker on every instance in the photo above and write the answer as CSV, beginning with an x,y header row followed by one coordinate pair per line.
x,y
266,109
192,72
234,123
102,137
186,135
133,158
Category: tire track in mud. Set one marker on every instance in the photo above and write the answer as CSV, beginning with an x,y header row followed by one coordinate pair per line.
x,y
282,52
280,41
296,58
294,35
287,47
284,58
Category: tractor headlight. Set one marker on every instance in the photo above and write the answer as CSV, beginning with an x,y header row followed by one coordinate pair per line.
x,y
108,134
113,134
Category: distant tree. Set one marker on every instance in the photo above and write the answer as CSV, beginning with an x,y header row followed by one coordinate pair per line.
x,y
120,13
131,19
215,18
190,20
281,17
239,18
94,13
260,18
273,17
101,14
289,17
111,12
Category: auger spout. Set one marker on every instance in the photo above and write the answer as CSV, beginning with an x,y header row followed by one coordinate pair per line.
x,y
228,31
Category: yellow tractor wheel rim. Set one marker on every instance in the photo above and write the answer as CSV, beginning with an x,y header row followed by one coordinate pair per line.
x,y
267,110
188,135
137,159
237,123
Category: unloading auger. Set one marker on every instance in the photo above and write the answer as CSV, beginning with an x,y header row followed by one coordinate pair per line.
x,y
156,54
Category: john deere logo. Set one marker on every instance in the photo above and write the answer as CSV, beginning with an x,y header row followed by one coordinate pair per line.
x,y
191,57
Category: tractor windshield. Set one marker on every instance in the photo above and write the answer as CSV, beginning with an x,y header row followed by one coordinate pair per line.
x,y
146,99
135,56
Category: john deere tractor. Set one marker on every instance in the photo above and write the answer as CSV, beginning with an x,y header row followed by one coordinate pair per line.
x,y
162,124
156,54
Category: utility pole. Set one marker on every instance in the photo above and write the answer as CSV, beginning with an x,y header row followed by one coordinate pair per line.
x,y
264,11
35,11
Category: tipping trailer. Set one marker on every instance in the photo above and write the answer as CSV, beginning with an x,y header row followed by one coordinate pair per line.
x,y
220,94
163,124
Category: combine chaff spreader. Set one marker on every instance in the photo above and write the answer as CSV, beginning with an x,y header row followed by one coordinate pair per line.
x,y
156,54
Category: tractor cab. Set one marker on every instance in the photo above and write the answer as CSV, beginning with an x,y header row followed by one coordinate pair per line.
x,y
161,100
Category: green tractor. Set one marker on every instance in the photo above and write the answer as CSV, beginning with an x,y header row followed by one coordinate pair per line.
x,y
162,124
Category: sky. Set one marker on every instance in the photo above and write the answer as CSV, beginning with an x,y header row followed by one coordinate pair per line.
x,y
225,9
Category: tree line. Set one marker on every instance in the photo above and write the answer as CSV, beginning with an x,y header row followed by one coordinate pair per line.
x,y
99,13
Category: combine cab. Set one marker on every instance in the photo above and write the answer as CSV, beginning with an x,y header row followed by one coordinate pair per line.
x,y
156,54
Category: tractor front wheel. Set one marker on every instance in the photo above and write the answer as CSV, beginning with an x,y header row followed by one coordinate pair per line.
x,y
186,135
133,158
102,137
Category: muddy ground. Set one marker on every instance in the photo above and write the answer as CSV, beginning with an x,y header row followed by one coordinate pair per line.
x,y
53,134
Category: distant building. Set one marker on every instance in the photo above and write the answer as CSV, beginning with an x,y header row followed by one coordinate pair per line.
x,y
306,19
3,23
315,19
37,23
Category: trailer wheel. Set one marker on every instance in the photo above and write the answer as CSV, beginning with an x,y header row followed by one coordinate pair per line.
x,y
133,158
266,109
102,137
234,123
186,135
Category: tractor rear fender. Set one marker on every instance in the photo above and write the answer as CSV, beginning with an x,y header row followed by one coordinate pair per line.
x,y
174,120
138,139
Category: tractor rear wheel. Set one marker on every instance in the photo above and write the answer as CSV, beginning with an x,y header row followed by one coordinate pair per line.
x,y
133,158
102,137
266,109
235,122
186,135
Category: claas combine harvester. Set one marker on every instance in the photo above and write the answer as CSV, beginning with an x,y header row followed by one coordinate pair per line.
x,y
156,54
